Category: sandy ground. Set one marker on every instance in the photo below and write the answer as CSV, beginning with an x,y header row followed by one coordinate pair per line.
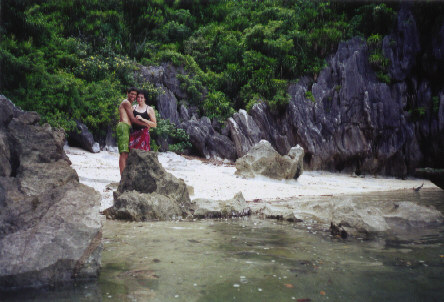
x,y
217,180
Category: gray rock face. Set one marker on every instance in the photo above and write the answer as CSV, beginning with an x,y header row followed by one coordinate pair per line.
x,y
167,106
50,229
402,46
164,77
244,132
110,143
146,191
83,138
263,159
206,141
208,208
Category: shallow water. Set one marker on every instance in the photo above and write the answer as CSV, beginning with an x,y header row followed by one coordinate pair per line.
x,y
263,260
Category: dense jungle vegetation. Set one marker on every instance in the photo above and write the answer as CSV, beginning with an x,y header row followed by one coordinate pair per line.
x,y
71,60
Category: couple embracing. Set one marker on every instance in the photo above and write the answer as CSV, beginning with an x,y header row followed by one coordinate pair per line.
x,y
134,125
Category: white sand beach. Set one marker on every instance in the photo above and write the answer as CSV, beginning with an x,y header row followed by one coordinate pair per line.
x,y
216,180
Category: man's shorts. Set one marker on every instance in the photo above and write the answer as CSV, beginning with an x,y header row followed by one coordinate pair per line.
x,y
123,133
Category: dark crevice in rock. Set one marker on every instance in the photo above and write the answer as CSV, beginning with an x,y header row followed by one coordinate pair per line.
x,y
14,158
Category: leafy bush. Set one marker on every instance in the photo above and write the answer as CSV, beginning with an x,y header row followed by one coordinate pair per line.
x,y
217,106
168,131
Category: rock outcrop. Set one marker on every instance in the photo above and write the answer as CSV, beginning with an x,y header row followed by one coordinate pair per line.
x,y
148,192
50,229
434,175
83,138
354,122
164,77
263,159
208,208
206,141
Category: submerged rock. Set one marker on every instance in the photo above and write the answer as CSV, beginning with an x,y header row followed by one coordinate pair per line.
x,y
263,159
208,208
147,191
354,215
50,229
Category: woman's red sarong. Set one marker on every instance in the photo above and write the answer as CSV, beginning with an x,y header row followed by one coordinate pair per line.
x,y
140,139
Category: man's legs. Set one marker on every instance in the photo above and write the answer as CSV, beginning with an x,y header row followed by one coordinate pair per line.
x,y
122,132
122,161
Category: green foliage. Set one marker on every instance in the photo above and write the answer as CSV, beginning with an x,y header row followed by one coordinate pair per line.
x,y
383,77
374,41
254,100
421,111
218,106
377,60
368,19
168,131
309,95
193,86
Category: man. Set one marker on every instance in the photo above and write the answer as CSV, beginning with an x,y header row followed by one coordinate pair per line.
x,y
123,127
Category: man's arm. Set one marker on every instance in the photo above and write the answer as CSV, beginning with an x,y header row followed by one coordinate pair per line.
x,y
129,112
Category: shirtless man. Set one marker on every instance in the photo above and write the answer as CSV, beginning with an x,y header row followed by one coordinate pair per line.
x,y
123,127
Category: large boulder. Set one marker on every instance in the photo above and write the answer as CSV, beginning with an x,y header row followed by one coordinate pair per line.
x,y
110,143
263,159
50,229
147,191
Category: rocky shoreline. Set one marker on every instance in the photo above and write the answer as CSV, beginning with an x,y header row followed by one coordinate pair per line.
x,y
317,199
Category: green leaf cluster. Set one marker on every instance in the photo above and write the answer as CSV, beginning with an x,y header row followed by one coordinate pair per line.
x,y
178,139
377,60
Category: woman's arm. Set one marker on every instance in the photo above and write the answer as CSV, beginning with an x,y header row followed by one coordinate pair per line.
x,y
152,123
133,120
152,115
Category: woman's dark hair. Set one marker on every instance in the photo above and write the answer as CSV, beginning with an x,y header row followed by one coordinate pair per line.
x,y
145,94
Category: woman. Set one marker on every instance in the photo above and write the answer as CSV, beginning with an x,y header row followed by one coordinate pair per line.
x,y
140,135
